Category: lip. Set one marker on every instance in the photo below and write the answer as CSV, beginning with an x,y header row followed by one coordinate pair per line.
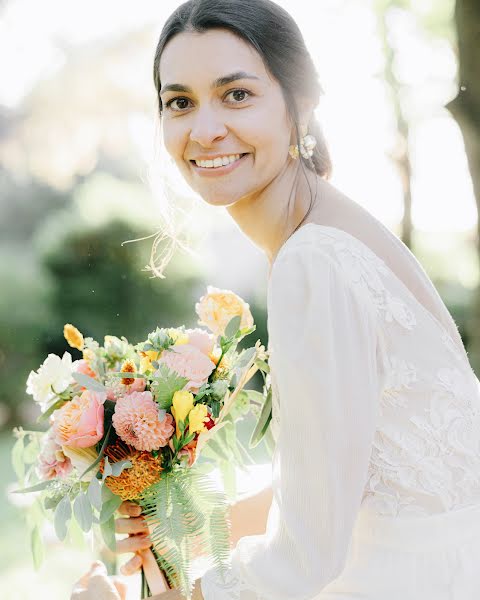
x,y
218,171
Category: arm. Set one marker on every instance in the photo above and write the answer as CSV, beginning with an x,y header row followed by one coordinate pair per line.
x,y
324,342
249,516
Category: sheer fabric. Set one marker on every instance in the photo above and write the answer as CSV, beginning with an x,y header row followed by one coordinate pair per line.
x,y
375,407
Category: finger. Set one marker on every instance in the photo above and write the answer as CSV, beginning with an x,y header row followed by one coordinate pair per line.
x,y
130,509
101,587
155,578
132,566
131,525
133,543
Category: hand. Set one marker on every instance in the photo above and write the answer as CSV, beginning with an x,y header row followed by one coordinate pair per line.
x,y
138,535
139,541
97,585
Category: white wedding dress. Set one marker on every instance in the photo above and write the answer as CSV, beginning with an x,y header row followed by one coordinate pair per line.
x,y
376,416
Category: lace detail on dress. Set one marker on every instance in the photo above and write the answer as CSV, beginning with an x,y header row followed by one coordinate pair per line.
x,y
364,268
400,374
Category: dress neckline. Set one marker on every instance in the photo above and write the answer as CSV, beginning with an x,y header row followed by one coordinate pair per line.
x,y
459,344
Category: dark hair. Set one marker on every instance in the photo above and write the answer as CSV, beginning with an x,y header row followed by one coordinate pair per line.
x,y
274,34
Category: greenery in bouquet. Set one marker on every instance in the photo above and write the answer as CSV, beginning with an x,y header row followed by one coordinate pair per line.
x,y
129,422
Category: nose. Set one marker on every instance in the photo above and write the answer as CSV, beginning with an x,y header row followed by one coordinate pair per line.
x,y
208,126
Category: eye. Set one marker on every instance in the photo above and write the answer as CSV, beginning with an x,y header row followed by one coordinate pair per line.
x,y
179,99
241,92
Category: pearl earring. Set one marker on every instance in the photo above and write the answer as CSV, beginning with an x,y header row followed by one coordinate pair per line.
x,y
307,144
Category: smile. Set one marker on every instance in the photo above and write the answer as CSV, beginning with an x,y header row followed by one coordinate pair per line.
x,y
215,167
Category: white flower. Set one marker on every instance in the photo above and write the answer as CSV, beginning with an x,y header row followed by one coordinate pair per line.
x,y
55,372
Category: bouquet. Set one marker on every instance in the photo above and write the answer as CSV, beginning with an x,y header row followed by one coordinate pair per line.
x,y
129,422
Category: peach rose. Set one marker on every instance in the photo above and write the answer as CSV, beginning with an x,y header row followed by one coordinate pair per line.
x,y
79,423
188,361
201,339
217,307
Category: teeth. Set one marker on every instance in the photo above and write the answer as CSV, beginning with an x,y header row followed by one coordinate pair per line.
x,y
217,162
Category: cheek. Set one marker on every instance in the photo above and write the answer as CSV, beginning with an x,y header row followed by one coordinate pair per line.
x,y
174,138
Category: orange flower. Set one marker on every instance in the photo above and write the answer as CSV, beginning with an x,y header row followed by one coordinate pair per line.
x,y
128,367
144,472
73,336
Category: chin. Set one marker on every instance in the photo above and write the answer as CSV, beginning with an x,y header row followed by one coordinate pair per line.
x,y
218,198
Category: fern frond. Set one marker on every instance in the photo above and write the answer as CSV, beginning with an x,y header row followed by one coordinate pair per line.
x,y
187,516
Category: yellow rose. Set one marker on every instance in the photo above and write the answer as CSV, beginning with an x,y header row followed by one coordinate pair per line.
x,y
178,336
198,414
217,307
146,359
182,404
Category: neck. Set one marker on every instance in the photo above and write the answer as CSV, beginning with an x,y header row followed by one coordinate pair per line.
x,y
271,215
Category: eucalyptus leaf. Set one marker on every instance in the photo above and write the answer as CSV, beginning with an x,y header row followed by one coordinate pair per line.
x,y
245,357
89,382
100,454
55,406
37,487
36,546
107,469
108,532
119,466
94,492
82,509
263,421
232,327
63,513
17,459
109,508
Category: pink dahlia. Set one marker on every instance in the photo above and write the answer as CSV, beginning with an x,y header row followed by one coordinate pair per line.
x,y
136,422
190,362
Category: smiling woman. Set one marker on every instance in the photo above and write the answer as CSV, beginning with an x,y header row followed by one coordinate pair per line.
x,y
375,408
227,123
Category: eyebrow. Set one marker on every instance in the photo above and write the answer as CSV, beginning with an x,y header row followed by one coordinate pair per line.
x,y
219,82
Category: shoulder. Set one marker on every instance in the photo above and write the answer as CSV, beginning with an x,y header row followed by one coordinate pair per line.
x,y
321,260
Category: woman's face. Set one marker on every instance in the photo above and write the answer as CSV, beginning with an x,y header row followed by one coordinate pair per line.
x,y
204,118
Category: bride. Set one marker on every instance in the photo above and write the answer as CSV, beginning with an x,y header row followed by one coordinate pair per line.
x,y
376,409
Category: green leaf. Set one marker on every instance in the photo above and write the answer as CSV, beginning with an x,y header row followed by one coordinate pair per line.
x,y
107,469
263,421
165,384
108,532
82,509
109,508
100,454
17,459
36,488
262,365
36,546
89,382
232,327
55,406
51,502
94,492
63,513
119,466
245,357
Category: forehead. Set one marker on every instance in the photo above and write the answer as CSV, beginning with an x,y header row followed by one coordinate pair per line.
x,y
198,58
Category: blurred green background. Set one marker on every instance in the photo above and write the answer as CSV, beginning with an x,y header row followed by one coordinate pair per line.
x,y
82,171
